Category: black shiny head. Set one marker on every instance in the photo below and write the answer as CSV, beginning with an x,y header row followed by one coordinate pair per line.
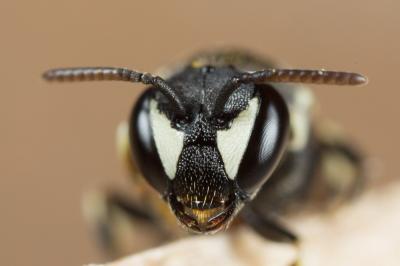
x,y
198,163
208,138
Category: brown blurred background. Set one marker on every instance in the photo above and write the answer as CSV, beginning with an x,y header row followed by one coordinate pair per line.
x,y
57,141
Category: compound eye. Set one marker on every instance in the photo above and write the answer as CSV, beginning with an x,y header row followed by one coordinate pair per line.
x,y
143,146
267,143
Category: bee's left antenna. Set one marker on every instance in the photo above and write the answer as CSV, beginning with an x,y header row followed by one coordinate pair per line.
x,y
123,74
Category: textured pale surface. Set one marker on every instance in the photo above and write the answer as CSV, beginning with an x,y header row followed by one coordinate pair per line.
x,y
364,233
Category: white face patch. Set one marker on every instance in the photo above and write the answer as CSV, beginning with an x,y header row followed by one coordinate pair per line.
x,y
169,141
232,143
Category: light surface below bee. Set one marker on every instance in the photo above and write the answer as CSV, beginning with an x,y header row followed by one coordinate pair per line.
x,y
362,233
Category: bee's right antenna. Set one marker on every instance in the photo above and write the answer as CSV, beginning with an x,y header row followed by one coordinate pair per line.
x,y
123,74
304,76
289,76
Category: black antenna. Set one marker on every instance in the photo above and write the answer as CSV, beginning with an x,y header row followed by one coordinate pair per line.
x,y
289,76
304,76
123,74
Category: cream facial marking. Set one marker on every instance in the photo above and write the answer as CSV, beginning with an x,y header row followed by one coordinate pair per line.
x,y
232,143
169,141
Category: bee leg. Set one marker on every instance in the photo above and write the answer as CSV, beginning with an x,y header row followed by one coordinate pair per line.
x,y
350,181
119,223
268,227
341,171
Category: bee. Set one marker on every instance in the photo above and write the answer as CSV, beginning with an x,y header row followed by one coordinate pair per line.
x,y
227,134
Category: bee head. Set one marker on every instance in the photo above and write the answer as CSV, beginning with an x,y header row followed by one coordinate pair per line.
x,y
202,169
208,138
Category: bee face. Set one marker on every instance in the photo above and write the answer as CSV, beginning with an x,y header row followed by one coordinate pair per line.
x,y
196,163
208,138
201,194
